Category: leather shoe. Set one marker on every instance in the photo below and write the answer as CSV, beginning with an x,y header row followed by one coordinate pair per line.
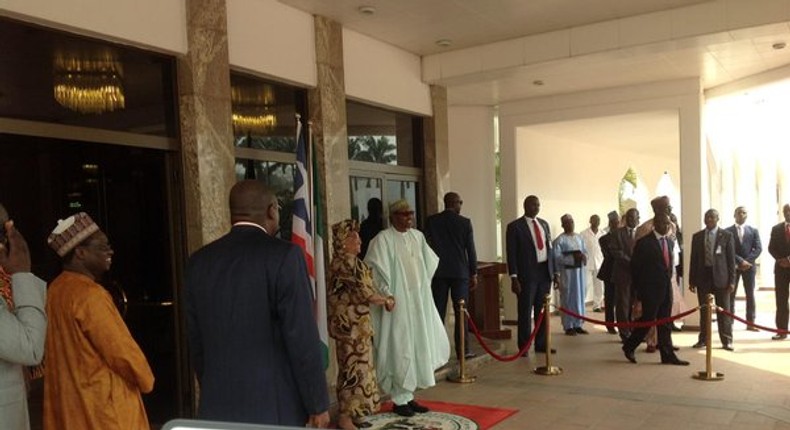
x,y
403,410
727,347
675,361
675,348
570,332
752,328
699,345
777,337
599,310
580,330
629,354
543,350
611,330
416,407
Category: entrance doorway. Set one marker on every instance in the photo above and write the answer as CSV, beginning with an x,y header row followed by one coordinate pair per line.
x,y
127,191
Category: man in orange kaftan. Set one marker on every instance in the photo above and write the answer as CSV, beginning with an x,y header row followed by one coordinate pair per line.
x,y
94,371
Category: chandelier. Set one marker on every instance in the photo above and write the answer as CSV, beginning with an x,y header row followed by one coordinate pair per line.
x,y
250,109
89,86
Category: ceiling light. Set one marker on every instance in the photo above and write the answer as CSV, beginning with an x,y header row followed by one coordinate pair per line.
x,y
779,45
444,43
366,10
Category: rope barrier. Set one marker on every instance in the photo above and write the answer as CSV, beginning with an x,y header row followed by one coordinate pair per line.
x,y
632,324
496,356
751,324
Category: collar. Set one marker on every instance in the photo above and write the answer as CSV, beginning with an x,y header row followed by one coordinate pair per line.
x,y
659,237
250,224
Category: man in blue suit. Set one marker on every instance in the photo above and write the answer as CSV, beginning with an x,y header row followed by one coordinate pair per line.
x,y
747,249
531,268
252,336
450,235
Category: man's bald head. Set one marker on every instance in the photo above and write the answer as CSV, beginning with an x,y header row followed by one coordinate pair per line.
x,y
252,201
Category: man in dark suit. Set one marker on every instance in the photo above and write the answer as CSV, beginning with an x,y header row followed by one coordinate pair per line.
x,y
712,271
779,248
747,249
651,272
450,235
252,336
607,242
531,268
621,273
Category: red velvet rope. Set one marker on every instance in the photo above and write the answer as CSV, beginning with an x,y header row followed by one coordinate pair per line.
x,y
761,327
496,356
632,324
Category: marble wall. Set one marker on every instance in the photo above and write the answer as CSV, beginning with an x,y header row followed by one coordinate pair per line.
x,y
436,167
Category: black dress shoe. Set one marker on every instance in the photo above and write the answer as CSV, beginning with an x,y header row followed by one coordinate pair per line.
x,y
629,354
416,407
580,330
543,350
611,330
570,332
777,337
470,355
699,345
674,361
676,328
675,348
403,410
728,347
752,328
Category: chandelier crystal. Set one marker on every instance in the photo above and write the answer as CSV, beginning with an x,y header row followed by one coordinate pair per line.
x,y
89,86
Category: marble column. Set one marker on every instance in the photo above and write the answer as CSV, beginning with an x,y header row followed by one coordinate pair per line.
x,y
328,116
206,131
436,164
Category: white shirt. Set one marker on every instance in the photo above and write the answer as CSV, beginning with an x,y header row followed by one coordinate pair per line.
x,y
593,247
542,254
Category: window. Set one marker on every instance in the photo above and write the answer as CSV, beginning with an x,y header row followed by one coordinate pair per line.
x,y
381,136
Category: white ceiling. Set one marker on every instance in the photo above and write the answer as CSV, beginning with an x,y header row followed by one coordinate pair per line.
x,y
717,58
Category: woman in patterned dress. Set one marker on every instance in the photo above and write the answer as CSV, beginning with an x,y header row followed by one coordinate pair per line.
x,y
350,294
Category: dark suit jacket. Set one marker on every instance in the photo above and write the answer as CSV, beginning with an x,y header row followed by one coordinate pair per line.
x,y
723,260
252,336
522,259
624,249
450,235
650,278
778,246
607,246
750,247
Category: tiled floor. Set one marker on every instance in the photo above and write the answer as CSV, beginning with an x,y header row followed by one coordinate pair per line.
x,y
599,389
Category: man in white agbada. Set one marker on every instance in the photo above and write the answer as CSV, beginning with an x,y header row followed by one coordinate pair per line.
x,y
410,342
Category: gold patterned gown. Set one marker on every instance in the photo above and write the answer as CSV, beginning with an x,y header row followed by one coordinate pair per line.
x,y
349,293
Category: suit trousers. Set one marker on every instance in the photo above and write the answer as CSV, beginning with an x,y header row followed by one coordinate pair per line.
x,y
609,301
782,285
722,300
623,307
530,304
748,287
458,288
653,310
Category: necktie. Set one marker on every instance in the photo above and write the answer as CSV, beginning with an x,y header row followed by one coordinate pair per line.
x,y
787,232
708,250
631,232
665,251
740,233
538,235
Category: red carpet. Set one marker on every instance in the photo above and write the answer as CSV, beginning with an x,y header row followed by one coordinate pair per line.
x,y
485,417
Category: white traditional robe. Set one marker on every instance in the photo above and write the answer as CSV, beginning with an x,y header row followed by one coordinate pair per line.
x,y
410,342
573,288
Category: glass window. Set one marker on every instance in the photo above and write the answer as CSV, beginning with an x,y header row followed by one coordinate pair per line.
x,y
382,136
407,190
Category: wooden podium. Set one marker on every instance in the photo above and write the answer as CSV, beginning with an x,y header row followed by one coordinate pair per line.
x,y
483,304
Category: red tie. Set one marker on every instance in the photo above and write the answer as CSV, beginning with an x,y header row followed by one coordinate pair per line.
x,y
538,235
665,251
787,232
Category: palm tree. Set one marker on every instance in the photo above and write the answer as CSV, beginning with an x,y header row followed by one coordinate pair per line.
x,y
378,150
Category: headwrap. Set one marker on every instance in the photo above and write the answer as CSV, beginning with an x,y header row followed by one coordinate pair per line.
x,y
340,232
70,232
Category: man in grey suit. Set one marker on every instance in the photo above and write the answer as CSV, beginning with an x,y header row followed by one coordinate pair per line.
x,y
23,324
450,235
712,271
621,272
252,336
747,249
531,268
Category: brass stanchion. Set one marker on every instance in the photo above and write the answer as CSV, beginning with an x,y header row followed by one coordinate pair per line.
x,y
548,369
709,374
460,322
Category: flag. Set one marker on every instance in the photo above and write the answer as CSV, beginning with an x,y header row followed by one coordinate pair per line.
x,y
302,235
320,270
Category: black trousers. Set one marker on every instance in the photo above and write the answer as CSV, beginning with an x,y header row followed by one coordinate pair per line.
x,y
748,287
722,299
652,310
623,308
609,300
457,288
530,304
782,286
